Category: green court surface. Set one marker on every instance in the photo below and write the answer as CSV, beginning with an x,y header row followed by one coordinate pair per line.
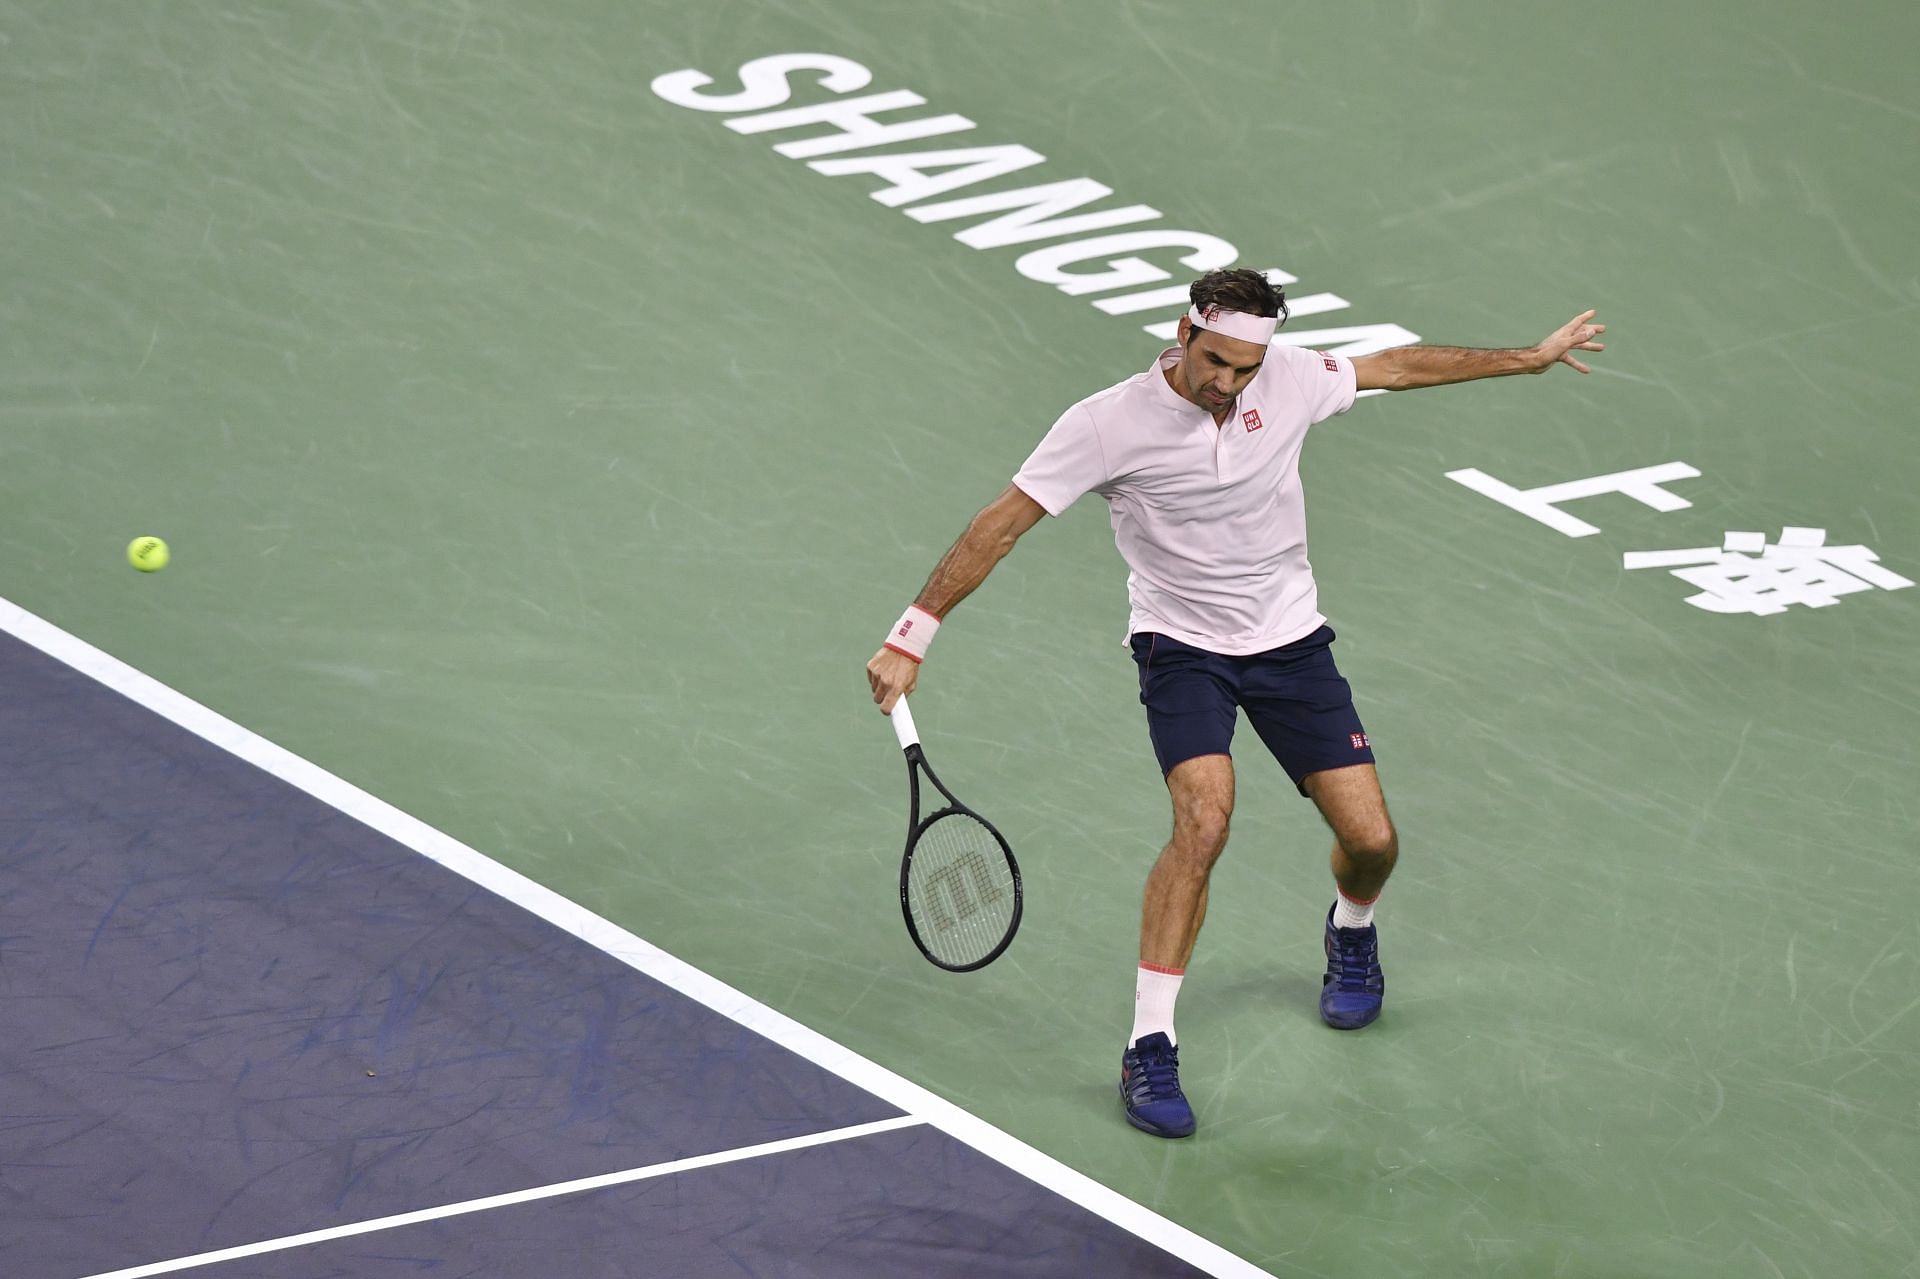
x,y
548,458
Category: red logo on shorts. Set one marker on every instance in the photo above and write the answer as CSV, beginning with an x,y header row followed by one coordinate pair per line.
x,y
1332,365
1360,741
1252,418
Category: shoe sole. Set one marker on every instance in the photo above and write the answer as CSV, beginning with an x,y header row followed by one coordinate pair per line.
x,y
1355,1025
1362,1024
1145,1127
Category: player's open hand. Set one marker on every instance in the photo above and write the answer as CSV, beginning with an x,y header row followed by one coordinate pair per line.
x,y
892,676
1577,334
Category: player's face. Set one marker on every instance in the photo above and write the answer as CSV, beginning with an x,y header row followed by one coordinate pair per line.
x,y
1213,368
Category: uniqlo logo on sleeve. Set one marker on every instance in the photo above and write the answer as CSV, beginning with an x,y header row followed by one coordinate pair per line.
x,y
1332,365
1252,418
1359,741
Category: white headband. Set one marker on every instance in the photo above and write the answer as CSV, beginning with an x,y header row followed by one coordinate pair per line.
x,y
1235,324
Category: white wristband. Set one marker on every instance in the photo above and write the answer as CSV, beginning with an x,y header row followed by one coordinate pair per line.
x,y
913,633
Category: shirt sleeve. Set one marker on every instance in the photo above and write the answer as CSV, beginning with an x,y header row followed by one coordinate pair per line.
x,y
1068,463
1327,381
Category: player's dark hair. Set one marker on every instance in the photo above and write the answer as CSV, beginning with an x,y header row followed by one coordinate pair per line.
x,y
1239,290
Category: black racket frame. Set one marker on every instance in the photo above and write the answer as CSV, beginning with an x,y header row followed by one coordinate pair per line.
x,y
917,826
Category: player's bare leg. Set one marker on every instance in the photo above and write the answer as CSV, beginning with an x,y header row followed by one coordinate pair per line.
x,y
1365,849
1175,902
1171,912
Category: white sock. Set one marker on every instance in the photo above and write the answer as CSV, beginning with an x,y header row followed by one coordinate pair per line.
x,y
1154,991
1348,913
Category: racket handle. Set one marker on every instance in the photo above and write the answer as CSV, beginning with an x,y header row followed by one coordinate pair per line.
x,y
903,725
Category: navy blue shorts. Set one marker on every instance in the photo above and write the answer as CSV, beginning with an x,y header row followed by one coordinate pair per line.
x,y
1294,697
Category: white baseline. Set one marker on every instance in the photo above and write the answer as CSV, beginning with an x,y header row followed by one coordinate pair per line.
x,y
575,1187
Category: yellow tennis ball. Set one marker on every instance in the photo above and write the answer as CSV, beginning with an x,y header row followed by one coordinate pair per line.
x,y
148,554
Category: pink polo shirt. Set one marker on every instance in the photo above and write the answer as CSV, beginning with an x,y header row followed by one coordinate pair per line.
x,y
1210,518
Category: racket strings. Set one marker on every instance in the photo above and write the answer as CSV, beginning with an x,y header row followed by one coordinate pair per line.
x,y
960,889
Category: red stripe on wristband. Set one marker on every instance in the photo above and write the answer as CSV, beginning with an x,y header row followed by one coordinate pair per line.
x,y
912,657
1170,972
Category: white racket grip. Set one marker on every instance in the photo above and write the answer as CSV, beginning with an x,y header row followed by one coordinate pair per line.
x,y
903,725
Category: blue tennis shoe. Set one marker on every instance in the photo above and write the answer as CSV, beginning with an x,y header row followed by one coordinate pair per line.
x,y
1351,992
1150,1088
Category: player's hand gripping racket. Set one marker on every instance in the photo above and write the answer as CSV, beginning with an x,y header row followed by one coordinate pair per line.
x,y
959,884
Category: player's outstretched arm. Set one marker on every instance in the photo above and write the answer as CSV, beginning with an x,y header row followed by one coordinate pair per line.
x,y
1407,367
893,673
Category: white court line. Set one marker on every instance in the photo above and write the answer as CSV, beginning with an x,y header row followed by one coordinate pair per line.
x,y
513,1197
626,947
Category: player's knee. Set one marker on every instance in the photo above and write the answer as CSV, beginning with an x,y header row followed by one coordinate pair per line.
x,y
1200,831
1373,845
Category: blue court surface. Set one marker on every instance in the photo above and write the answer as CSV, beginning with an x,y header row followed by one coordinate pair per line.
x,y
251,1034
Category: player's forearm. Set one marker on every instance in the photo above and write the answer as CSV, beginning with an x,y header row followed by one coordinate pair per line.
x,y
967,562
1407,367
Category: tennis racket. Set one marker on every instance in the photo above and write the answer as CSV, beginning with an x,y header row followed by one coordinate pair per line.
x,y
959,884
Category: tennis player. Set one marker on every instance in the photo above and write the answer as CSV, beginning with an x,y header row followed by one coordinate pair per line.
x,y
1198,460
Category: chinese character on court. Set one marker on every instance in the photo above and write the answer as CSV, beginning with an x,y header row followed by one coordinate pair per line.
x,y
1747,575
